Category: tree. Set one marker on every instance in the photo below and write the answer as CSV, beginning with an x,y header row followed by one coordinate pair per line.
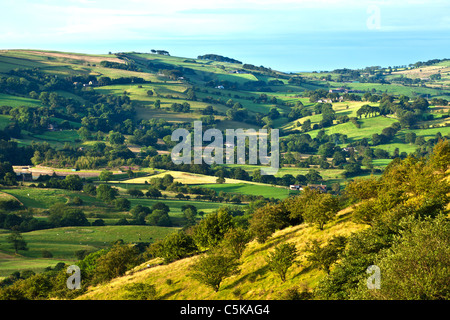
x,y
211,229
116,138
235,240
440,158
189,214
280,260
220,180
139,213
173,247
72,182
410,273
62,215
306,125
319,208
105,175
106,193
159,218
115,262
17,241
153,193
122,204
135,193
266,220
212,268
313,176
10,179
324,257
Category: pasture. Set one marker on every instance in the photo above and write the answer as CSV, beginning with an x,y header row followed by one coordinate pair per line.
x,y
266,191
64,242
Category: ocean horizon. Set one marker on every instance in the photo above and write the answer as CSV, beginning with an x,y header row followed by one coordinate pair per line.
x,y
321,51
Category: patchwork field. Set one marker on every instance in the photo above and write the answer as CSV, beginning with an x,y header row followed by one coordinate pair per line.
x,y
63,242
250,189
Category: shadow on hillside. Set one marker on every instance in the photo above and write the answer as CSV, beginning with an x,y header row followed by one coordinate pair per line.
x,y
251,277
304,270
272,242
170,293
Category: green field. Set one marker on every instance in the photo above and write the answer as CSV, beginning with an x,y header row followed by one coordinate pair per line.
x,y
63,242
175,205
369,126
15,101
43,198
250,189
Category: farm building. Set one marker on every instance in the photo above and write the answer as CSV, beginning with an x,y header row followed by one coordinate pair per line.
x,y
320,187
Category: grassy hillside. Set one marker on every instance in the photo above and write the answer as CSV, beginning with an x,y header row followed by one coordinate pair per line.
x,y
254,282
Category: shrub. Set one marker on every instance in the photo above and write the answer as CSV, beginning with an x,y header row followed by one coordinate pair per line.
x,y
46,254
140,291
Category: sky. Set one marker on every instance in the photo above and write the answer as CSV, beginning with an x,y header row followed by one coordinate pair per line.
x,y
288,35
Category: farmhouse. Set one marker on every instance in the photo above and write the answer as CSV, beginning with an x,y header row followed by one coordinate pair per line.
x,y
319,187
338,90
24,176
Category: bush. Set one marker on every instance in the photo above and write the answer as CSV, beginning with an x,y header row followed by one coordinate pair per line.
x,y
98,223
140,291
76,201
116,262
122,204
46,254
10,204
173,247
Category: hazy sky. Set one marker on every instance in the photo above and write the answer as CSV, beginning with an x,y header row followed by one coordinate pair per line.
x,y
94,25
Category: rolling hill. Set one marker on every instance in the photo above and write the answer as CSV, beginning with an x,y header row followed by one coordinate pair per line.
x,y
85,143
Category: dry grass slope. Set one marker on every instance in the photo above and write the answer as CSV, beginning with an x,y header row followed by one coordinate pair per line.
x,y
254,282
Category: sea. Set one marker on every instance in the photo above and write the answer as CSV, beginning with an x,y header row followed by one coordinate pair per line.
x,y
291,52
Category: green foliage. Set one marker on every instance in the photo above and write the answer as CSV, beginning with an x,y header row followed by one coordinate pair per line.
x,y
17,241
266,220
281,259
106,193
62,215
324,257
10,204
122,204
212,229
159,218
173,247
409,273
115,262
408,237
235,241
319,208
105,175
213,267
140,291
